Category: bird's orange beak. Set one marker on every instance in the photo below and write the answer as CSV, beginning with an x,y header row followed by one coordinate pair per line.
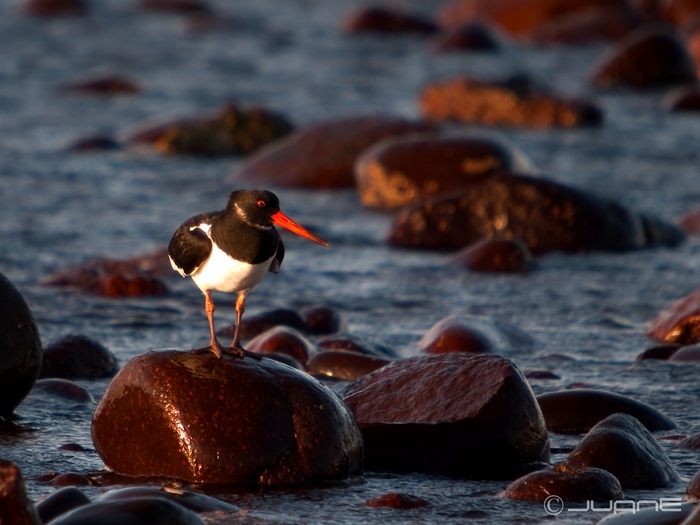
x,y
280,219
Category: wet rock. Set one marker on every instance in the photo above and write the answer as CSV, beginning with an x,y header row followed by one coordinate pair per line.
x,y
74,447
454,334
136,511
674,513
570,484
686,353
190,500
680,323
63,389
134,277
660,233
175,6
78,356
621,445
257,324
321,320
283,340
690,222
690,443
682,100
541,374
496,256
111,85
285,359
71,479
546,215
15,506
386,20
96,143
577,411
322,155
351,344
20,346
693,490
589,26
207,420
473,36
456,413
60,502
498,104
234,131
340,364
51,8
650,57
404,170
658,352
398,500
519,17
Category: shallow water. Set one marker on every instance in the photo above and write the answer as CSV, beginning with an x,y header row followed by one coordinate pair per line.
x,y
586,316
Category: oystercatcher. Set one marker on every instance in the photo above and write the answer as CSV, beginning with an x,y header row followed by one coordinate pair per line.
x,y
231,251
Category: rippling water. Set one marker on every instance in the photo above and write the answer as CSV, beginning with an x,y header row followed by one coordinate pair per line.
x,y
60,209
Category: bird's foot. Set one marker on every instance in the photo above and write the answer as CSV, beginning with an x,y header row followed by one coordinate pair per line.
x,y
240,352
214,348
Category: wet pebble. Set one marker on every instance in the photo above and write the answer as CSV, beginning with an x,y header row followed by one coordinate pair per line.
x,y
78,356
198,418
577,411
283,340
15,508
569,484
71,479
378,19
398,500
651,57
94,143
453,334
496,256
111,85
541,374
321,320
322,155
454,413
255,325
500,104
680,323
64,389
60,502
339,364
624,447
21,348
658,352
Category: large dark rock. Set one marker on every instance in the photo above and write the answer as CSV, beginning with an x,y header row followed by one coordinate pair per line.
x,y
504,104
202,419
136,511
15,507
322,155
60,502
454,413
570,484
546,215
20,348
400,171
78,356
679,324
621,445
650,57
577,411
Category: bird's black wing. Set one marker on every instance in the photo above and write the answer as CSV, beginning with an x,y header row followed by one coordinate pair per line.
x,y
190,246
279,256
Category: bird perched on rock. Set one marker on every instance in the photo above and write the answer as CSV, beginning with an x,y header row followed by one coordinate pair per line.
x,y
232,250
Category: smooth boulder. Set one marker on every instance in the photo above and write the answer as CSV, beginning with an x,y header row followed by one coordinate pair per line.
x,y
283,340
546,215
201,419
495,256
78,356
135,511
621,445
570,484
680,323
20,348
322,155
455,413
401,171
577,411
340,364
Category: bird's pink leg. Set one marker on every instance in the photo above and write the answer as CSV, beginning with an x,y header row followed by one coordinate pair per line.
x,y
236,349
214,346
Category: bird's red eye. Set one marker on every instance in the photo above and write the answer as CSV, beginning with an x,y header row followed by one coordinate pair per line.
x,y
261,203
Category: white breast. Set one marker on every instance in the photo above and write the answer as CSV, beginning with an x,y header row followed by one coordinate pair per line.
x,y
224,274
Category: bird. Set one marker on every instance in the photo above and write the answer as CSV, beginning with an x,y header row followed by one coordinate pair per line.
x,y
231,251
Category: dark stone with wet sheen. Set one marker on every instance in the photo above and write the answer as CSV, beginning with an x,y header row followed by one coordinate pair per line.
x,y
257,324
454,334
20,348
661,353
190,500
60,502
503,104
283,340
680,323
401,171
322,155
349,343
207,420
321,320
650,57
398,500
135,511
621,445
546,215
570,484
15,507
454,413
340,364
63,389
686,353
78,356
577,411
496,256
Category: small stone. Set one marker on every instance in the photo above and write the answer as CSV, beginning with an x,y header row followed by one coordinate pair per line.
x,y
496,256
64,389
398,500
541,374
679,324
569,484
386,20
71,479
176,6
111,85
78,356
96,143
474,36
339,364
453,334
283,340
52,8
658,352
255,325
321,320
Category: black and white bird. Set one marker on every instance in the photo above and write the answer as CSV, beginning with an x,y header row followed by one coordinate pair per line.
x,y
232,250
